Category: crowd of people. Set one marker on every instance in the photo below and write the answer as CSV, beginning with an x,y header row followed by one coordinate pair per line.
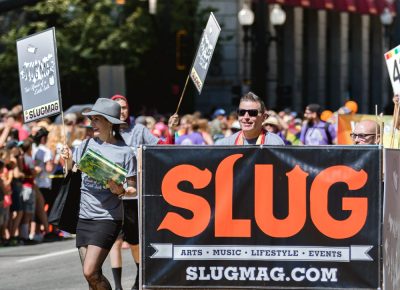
x,y
33,155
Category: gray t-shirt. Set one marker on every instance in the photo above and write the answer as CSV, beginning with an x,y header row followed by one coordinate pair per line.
x,y
42,154
137,134
270,139
98,202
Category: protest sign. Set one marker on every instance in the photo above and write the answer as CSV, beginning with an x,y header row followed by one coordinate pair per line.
x,y
205,52
393,64
265,218
38,75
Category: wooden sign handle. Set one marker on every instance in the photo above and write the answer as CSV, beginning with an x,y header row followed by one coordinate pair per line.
x,y
183,92
395,120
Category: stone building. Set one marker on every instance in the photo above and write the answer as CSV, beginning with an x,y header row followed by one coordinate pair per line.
x,y
327,51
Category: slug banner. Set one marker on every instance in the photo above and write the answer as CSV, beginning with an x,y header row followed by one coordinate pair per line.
x,y
260,217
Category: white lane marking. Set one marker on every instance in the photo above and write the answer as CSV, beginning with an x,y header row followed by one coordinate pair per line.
x,y
48,255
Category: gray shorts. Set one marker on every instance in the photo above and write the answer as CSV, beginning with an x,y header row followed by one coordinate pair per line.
x,y
27,198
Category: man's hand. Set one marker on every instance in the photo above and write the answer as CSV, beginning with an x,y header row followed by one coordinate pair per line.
x,y
173,121
131,191
396,99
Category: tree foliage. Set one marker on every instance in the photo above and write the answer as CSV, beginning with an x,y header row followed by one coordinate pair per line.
x,y
89,33
92,33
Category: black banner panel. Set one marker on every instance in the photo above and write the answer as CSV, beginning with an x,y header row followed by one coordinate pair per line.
x,y
261,217
391,221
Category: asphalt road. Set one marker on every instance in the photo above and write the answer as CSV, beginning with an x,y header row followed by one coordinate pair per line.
x,y
53,266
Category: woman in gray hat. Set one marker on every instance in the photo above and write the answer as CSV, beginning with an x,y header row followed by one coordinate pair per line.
x,y
101,210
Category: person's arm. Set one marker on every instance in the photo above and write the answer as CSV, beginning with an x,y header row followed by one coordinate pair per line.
x,y
4,135
8,178
48,160
332,132
16,170
303,133
173,123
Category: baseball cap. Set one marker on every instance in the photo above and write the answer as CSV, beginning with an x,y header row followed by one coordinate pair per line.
x,y
219,112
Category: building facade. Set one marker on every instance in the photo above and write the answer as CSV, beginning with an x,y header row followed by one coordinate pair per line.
x,y
326,52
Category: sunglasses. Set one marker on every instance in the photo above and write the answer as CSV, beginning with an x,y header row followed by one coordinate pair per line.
x,y
251,112
360,136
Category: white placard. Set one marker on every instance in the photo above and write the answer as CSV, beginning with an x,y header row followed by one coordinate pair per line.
x,y
205,52
38,75
393,64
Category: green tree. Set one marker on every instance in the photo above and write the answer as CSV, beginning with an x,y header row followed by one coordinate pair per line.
x,y
89,33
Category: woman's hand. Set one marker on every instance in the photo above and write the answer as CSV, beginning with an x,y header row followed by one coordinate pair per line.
x,y
117,189
66,153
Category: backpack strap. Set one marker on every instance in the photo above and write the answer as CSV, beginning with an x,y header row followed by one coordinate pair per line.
x,y
75,166
328,135
84,148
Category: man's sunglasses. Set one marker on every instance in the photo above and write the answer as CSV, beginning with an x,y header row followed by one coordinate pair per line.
x,y
252,112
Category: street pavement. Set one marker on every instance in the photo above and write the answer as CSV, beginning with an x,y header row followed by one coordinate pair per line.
x,y
53,265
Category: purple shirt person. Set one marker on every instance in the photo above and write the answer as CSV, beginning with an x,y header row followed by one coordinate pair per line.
x,y
194,138
315,131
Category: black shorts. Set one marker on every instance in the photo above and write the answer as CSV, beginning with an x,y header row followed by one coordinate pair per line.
x,y
130,228
101,233
16,186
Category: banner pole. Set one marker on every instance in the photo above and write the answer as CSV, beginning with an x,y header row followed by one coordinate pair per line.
x,y
382,126
395,119
183,92
377,121
65,167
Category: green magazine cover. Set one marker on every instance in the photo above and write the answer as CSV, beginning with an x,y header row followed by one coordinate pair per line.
x,y
100,168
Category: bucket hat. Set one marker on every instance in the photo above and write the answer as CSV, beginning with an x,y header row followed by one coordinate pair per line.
x,y
235,125
107,108
271,120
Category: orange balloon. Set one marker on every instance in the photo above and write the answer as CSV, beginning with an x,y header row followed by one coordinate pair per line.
x,y
325,115
352,106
